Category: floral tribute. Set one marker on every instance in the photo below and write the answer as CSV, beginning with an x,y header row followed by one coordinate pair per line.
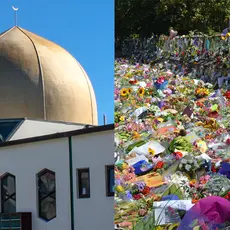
x,y
172,147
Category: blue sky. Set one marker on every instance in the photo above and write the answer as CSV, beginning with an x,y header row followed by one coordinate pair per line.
x,y
85,28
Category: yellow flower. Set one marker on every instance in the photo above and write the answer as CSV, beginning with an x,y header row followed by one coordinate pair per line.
x,y
193,181
120,189
122,118
198,90
160,119
128,75
123,92
159,228
151,151
141,91
124,166
129,90
136,135
139,72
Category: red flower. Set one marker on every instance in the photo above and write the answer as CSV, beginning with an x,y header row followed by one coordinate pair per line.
x,y
146,190
159,165
137,196
132,81
214,114
200,104
227,94
228,141
214,169
178,155
227,196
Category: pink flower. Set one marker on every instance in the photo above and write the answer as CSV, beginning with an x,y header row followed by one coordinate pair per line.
x,y
207,177
168,91
116,91
148,85
160,80
129,127
129,177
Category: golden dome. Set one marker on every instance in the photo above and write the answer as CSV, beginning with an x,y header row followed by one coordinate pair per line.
x,y
41,80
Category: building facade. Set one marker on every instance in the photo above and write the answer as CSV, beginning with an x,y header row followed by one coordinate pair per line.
x,y
65,180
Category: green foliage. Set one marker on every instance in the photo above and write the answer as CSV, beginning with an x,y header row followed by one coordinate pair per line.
x,y
180,143
147,223
173,190
145,17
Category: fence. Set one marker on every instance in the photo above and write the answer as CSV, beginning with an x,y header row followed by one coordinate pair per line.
x,y
140,50
145,49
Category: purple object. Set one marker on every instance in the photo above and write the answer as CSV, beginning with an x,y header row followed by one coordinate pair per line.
x,y
212,209
224,32
195,43
161,104
225,169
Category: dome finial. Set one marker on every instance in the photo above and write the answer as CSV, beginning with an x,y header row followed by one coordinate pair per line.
x,y
15,14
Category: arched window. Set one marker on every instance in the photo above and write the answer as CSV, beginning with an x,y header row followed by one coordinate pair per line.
x,y
8,193
47,194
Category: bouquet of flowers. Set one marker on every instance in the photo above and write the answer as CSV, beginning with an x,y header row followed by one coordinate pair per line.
x,y
190,165
201,92
181,182
161,83
217,185
139,189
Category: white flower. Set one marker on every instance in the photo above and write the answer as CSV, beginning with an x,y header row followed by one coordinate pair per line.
x,y
183,161
142,84
188,167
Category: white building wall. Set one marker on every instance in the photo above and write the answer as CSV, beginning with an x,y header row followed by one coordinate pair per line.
x,y
34,128
25,161
94,151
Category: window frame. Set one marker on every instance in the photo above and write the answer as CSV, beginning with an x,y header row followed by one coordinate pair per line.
x,y
79,183
107,180
2,191
39,199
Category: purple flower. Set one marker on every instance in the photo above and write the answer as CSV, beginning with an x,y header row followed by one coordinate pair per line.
x,y
141,186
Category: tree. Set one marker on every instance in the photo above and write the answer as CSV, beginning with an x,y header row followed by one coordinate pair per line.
x,y
145,17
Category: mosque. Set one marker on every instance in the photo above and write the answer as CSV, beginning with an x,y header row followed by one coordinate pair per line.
x,y
56,163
